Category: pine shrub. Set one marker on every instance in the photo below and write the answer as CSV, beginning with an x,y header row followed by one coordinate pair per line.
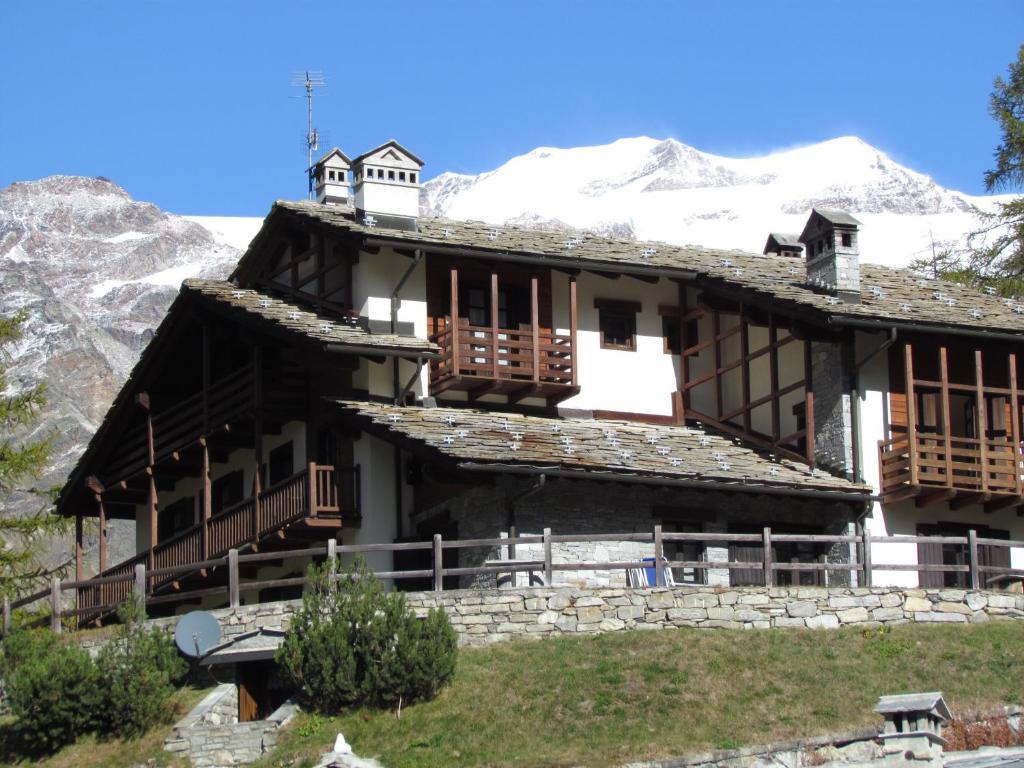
x,y
138,671
53,691
353,643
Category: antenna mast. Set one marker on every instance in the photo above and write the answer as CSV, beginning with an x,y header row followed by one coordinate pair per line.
x,y
310,80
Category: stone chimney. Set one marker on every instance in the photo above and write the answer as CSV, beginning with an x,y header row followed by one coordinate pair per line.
x,y
387,186
330,178
833,255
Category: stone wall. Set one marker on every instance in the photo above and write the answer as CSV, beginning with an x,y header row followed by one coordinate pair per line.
x,y
492,615
209,738
590,508
833,419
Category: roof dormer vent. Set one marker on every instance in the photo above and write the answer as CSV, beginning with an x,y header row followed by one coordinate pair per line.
x,y
830,239
387,185
329,178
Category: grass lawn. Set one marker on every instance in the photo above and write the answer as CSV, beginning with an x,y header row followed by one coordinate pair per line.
x,y
89,752
610,699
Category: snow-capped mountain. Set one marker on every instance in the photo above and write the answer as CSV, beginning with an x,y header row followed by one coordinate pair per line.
x,y
95,271
665,190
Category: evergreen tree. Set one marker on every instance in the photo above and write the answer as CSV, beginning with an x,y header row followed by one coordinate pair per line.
x,y
22,461
997,256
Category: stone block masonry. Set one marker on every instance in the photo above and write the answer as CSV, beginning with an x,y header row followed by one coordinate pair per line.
x,y
483,616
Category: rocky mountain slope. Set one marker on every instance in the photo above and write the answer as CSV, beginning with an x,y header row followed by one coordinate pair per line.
x,y
95,270
665,190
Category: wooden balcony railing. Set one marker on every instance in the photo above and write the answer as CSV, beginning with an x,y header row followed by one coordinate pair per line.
x,y
239,525
524,355
958,464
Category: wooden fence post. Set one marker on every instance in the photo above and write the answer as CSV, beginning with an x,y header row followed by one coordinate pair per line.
x,y
972,546
312,479
55,604
438,564
141,587
548,570
332,560
659,552
8,622
769,576
257,518
233,578
866,538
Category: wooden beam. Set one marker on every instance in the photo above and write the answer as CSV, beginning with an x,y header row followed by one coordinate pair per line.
x,y
773,373
1003,502
717,330
745,369
808,403
103,534
535,324
937,496
979,381
947,428
908,378
454,306
573,320
494,324
684,362
964,500
207,500
78,547
1015,423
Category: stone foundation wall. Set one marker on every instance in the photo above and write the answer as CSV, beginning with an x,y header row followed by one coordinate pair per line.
x,y
492,615
209,739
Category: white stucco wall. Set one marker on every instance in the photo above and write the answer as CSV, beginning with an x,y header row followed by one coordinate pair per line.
x,y
902,518
637,381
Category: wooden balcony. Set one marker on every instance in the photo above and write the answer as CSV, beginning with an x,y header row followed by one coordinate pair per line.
x,y
310,495
934,468
522,362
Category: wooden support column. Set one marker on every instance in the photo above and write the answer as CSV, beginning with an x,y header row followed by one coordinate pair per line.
x,y
257,518
682,395
55,622
573,322
103,534
206,379
908,378
745,368
717,331
207,494
1015,423
972,553
979,383
659,558
454,324
153,531
438,563
78,546
809,402
946,427
766,543
312,492
773,364
535,324
494,325
257,397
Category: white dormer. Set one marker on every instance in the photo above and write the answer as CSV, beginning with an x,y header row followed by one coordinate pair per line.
x,y
330,178
387,184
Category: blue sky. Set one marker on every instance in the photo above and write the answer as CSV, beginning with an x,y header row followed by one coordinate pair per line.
x,y
188,104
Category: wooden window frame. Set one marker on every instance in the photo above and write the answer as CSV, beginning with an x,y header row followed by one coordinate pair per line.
x,y
624,309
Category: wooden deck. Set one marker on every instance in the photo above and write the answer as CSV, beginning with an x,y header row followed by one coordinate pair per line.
x,y
310,494
521,362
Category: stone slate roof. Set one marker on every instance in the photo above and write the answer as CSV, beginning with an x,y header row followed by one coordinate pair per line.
x,y
785,238
837,217
888,295
592,445
291,317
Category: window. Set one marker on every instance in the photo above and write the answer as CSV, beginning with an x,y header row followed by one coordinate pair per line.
x,y
282,463
227,490
617,323
847,240
412,178
330,175
380,173
670,333
175,518
401,175
391,175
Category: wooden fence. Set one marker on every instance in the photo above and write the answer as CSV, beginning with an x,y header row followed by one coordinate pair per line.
x,y
143,582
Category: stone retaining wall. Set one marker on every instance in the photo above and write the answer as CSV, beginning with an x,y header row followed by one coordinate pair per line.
x,y
493,615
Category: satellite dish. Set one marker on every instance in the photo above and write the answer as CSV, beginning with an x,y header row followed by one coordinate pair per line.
x,y
197,633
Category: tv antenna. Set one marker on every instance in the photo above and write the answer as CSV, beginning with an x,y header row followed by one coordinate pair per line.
x,y
310,80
